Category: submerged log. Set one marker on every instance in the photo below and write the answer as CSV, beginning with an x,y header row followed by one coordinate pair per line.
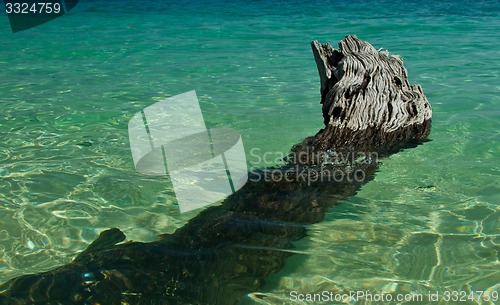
x,y
229,250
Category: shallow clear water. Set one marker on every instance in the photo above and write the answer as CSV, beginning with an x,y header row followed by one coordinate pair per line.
x,y
428,222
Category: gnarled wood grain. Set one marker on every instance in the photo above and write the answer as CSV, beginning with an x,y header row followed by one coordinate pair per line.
x,y
368,103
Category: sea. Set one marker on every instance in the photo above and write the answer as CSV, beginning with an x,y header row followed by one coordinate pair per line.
x,y
428,223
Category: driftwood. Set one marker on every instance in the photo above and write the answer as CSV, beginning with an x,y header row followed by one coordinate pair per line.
x,y
368,103
228,250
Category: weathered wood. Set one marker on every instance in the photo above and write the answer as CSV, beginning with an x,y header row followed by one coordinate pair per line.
x,y
229,250
368,103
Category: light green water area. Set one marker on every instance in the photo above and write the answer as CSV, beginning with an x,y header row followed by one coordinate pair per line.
x,y
428,222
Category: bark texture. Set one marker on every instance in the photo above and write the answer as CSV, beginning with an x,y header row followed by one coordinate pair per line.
x,y
368,103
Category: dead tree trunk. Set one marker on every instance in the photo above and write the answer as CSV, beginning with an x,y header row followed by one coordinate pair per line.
x,y
368,103
227,251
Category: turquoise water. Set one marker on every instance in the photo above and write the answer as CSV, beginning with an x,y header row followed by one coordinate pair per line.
x,y
428,222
